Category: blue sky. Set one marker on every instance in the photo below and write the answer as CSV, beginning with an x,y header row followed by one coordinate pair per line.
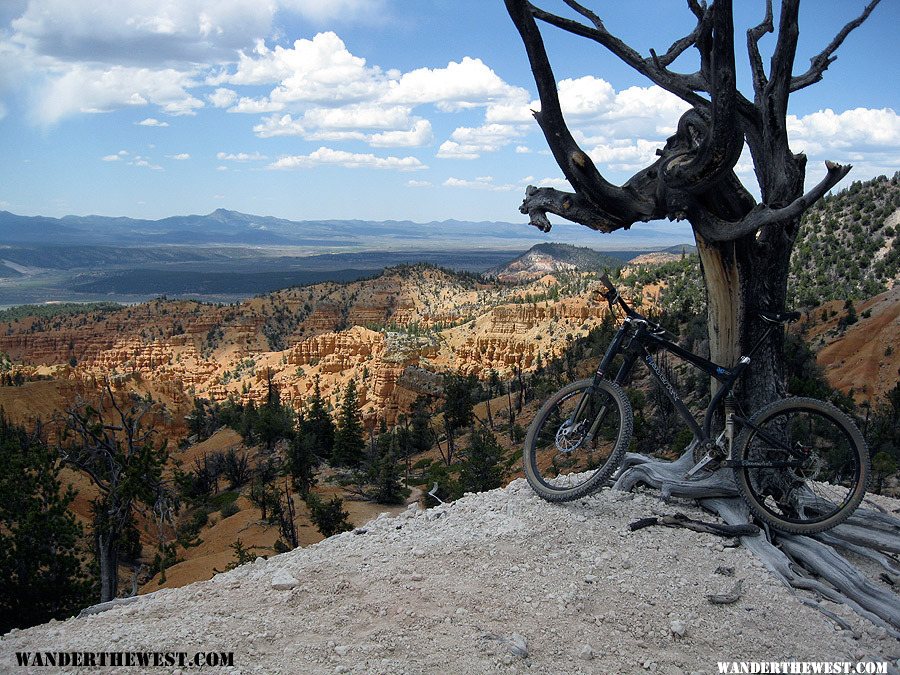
x,y
370,109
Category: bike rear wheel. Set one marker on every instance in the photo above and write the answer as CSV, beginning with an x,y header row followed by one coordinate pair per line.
x,y
818,465
577,440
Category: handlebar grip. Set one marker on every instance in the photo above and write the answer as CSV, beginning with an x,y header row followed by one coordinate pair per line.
x,y
604,279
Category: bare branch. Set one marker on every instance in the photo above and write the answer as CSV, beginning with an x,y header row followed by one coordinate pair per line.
x,y
620,206
78,463
540,201
712,228
720,147
753,38
778,87
821,61
683,86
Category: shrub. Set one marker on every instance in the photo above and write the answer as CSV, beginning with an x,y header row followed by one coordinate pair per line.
x,y
328,517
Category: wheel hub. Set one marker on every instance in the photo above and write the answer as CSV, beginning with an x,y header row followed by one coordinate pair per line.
x,y
569,437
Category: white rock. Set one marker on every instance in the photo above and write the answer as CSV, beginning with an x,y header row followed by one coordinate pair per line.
x,y
678,628
586,653
283,580
342,650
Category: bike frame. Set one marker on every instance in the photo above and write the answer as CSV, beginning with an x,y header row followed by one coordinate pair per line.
x,y
634,338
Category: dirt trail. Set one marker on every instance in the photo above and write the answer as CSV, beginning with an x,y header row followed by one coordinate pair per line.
x,y
496,582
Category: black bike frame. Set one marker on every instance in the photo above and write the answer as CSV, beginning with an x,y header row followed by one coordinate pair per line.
x,y
634,338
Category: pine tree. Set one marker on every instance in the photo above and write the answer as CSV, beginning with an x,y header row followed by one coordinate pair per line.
x,y
457,409
247,423
302,459
481,468
110,445
349,441
41,567
318,425
328,517
389,489
421,436
273,421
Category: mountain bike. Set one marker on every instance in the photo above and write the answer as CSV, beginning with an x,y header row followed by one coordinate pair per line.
x,y
800,464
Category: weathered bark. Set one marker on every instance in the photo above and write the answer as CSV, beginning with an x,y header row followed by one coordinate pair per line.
x,y
108,560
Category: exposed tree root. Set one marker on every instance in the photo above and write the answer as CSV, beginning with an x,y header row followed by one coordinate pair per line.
x,y
808,563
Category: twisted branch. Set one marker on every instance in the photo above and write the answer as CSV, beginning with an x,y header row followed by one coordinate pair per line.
x,y
821,61
712,228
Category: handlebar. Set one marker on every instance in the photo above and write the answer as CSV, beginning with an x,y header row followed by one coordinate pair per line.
x,y
604,279
613,297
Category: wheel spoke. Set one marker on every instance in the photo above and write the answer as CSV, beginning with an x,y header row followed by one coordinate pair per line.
x,y
818,466
576,440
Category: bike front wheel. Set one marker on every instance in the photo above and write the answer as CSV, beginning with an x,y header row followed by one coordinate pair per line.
x,y
577,440
801,465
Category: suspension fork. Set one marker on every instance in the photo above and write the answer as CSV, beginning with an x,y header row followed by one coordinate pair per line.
x,y
611,352
621,377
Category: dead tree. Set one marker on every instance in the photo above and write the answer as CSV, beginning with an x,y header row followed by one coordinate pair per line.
x,y
744,245
113,447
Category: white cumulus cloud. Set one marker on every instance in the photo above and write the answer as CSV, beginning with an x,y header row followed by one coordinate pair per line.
x,y
222,97
350,160
240,156
86,89
419,135
279,125
470,142
465,84
151,122
480,183
859,128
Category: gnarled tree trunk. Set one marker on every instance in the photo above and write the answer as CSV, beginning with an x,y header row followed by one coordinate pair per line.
x,y
744,246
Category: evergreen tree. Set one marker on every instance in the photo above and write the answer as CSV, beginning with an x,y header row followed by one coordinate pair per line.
x,y
349,441
247,423
389,489
481,468
328,517
318,426
41,570
458,404
273,421
421,436
302,458
110,445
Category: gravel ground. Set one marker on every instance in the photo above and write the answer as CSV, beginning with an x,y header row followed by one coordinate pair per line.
x,y
496,582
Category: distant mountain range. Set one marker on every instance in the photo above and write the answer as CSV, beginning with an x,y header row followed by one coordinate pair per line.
x,y
231,228
226,255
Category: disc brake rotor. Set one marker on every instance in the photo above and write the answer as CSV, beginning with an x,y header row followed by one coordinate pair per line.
x,y
569,437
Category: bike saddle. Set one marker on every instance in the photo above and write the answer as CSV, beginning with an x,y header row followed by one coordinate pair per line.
x,y
779,317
